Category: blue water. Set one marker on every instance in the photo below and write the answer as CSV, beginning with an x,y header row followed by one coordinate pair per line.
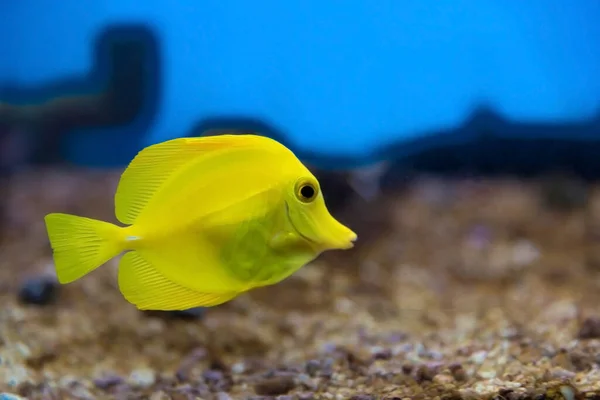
x,y
341,77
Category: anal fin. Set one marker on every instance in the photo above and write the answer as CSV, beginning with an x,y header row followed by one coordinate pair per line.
x,y
145,287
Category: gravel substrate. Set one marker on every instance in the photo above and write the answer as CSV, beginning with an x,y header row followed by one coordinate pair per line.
x,y
457,289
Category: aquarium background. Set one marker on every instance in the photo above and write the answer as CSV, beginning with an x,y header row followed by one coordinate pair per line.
x,y
459,139
334,79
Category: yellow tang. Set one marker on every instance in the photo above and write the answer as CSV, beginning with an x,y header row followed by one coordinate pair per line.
x,y
207,219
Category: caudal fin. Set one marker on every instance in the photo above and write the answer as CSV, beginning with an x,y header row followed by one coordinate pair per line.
x,y
80,245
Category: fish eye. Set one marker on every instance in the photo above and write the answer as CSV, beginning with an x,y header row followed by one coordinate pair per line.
x,y
306,192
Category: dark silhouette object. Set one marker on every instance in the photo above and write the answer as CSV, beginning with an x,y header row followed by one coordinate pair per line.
x,y
121,87
489,145
38,291
121,91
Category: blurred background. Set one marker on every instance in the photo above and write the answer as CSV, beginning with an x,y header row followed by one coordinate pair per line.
x,y
460,140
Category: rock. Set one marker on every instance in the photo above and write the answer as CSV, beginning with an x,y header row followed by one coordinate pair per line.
x,y
160,395
458,372
188,391
426,372
238,368
274,386
107,382
590,328
80,392
212,375
307,382
381,354
222,396
479,357
14,375
188,363
568,392
40,357
561,373
312,367
142,378
39,291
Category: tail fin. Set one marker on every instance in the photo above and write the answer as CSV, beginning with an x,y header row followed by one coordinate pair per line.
x,y
80,245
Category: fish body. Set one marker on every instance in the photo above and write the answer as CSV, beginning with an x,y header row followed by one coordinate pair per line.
x,y
206,219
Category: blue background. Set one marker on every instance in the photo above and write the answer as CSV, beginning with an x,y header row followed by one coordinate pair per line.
x,y
337,77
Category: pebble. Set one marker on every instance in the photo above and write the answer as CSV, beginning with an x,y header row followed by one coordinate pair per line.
x,y
397,337
590,328
142,378
562,373
328,347
524,253
307,382
108,381
426,372
223,396
212,375
568,392
80,392
238,368
16,375
380,353
479,237
479,356
487,374
189,362
160,395
312,367
274,386
458,372
189,391
39,291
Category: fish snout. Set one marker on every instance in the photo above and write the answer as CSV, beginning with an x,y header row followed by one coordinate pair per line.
x,y
339,237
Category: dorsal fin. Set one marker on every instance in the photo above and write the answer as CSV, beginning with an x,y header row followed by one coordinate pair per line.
x,y
156,164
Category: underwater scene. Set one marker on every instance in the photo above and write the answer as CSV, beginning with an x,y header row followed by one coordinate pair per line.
x,y
227,200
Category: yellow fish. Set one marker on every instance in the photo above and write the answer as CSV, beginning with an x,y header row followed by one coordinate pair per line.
x,y
207,219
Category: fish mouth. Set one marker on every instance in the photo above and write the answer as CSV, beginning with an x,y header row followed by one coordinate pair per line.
x,y
336,237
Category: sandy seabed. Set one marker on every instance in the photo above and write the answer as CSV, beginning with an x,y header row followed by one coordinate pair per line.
x,y
457,289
